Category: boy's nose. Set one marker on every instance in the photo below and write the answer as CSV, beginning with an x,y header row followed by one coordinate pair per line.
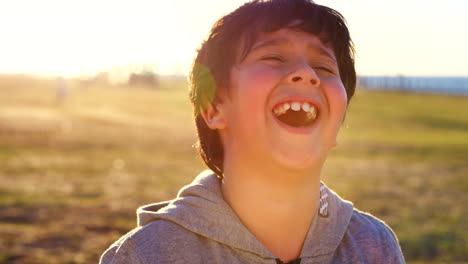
x,y
304,73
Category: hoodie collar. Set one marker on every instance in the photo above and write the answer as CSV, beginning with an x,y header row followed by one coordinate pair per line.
x,y
327,231
201,209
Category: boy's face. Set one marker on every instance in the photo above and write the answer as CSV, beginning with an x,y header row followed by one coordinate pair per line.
x,y
284,69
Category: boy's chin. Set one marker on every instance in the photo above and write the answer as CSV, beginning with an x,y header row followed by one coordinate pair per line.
x,y
299,161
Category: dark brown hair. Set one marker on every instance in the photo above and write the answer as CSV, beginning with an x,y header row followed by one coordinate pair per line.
x,y
218,54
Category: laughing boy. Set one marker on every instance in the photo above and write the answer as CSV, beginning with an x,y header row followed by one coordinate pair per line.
x,y
270,88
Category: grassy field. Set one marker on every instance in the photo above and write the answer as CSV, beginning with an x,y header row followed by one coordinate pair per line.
x,y
73,171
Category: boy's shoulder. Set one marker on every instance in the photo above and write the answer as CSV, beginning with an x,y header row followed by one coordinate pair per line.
x,y
372,238
349,235
363,222
152,242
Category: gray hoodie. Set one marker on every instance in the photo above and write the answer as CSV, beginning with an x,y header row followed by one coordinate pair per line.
x,y
200,227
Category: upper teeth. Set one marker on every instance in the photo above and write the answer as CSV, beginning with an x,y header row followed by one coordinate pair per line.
x,y
296,106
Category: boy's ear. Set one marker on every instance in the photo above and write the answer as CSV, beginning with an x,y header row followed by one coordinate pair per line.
x,y
214,116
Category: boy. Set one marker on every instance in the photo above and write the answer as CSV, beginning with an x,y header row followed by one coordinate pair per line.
x,y
270,89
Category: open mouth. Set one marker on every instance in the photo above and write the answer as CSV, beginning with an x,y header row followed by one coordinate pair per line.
x,y
295,113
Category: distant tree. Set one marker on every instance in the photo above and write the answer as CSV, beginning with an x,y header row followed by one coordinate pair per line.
x,y
146,79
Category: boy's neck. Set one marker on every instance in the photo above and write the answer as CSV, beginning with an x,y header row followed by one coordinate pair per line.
x,y
276,206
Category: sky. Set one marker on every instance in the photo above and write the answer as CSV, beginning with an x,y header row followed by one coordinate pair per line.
x,y
76,38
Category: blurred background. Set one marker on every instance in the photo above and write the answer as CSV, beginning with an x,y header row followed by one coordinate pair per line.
x,y
95,121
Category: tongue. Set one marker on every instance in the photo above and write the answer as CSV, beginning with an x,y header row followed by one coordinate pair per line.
x,y
295,118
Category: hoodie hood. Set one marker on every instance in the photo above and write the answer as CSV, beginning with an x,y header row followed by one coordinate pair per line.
x,y
201,209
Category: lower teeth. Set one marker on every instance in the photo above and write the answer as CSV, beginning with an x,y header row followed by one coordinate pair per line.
x,y
311,116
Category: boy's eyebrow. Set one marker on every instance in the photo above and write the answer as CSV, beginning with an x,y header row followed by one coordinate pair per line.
x,y
324,52
286,42
271,42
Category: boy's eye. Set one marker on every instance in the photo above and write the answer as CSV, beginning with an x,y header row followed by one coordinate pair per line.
x,y
272,58
328,70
